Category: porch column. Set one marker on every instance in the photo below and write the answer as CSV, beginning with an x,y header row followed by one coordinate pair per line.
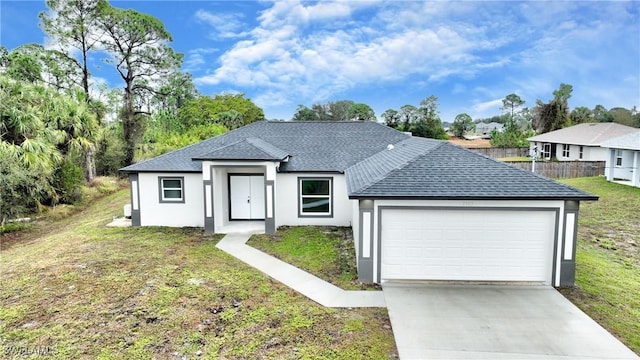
x,y
207,183
610,165
269,199
635,181
365,241
135,199
569,241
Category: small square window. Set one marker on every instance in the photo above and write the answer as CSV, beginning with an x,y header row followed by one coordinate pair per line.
x,y
171,189
315,197
565,150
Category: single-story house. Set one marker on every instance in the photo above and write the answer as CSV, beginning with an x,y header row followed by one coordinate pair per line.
x,y
623,162
486,129
578,142
419,208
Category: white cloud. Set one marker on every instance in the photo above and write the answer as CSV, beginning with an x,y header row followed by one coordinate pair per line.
x,y
195,59
486,109
225,25
308,52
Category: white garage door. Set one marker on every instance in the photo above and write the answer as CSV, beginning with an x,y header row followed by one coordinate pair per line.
x,y
473,245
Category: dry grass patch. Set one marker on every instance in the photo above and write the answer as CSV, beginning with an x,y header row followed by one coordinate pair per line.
x,y
75,289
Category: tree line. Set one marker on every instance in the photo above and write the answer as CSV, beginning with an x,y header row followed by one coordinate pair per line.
x,y
59,128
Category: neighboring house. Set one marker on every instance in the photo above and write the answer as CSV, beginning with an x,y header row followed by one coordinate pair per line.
x,y
419,208
578,142
623,162
486,129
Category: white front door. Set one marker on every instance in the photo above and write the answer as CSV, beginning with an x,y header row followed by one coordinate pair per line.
x,y
246,197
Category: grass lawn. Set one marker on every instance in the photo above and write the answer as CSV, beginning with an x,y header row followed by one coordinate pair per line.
x,y
608,258
326,252
516,158
72,288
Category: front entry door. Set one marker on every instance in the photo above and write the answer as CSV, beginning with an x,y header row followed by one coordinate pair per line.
x,y
246,197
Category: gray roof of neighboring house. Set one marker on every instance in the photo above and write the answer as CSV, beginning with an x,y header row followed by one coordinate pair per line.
x,y
440,170
628,142
379,162
311,146
589,134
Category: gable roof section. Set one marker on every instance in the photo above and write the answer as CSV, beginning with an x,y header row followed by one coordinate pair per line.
x,y
628,142
378,166
247,149
311,146
589,134
446,171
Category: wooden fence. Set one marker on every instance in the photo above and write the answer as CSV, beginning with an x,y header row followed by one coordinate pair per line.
x,y
563,169
497,153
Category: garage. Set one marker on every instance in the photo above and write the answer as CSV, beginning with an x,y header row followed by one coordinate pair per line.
x,y
462,244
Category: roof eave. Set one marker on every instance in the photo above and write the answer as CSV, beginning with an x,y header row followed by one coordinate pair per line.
x,y
473,197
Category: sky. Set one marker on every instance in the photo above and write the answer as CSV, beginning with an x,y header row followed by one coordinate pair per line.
x,y
470,54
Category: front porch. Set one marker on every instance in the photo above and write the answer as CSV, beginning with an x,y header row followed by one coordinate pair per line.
x,y
239,196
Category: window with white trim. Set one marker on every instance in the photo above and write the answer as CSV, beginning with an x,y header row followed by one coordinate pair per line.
x,y
618,157
565,150
546,151
171,189
581,152
315,197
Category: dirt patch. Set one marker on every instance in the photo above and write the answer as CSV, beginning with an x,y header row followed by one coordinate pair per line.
x,y
470,144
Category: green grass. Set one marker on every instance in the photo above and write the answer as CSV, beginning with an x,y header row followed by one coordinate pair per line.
x,y
326,252
74,288
608,258
516,158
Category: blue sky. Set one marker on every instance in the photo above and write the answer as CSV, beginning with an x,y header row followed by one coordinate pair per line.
x,y
470,54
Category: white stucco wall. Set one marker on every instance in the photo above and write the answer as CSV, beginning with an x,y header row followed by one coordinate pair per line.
x,y
630,163
589,153
155,213
287,201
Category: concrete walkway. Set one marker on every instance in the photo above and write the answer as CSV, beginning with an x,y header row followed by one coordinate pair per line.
x,y
308,285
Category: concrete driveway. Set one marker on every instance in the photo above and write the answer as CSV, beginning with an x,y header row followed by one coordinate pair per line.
x,y
434,321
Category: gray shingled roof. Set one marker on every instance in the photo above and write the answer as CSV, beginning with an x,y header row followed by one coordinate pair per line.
x,y
381,164
312,146
247,149
590,134
411,168
446,171
629,142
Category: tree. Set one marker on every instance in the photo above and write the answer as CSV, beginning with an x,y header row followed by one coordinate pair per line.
x,y
581,115
230,110
303,113
428,123
407,115
391,118
137,44
46,133
601,114
553,115
510,104
462,125
73,25
622,116
361,112
23,66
